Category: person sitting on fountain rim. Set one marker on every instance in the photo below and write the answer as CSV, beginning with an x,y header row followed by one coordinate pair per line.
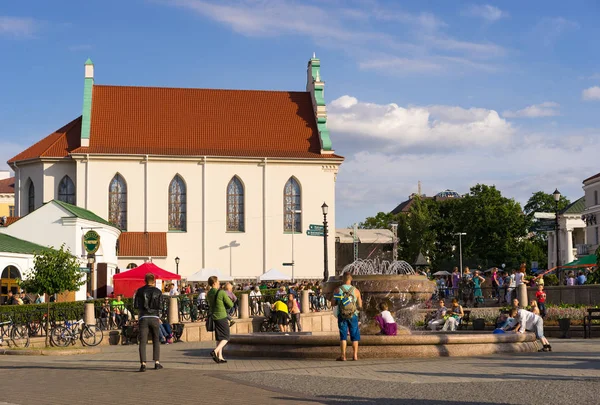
x,y
453,316
386,321
348,302
438,317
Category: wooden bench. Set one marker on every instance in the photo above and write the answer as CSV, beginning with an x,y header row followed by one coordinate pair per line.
x,y
464,323
593,315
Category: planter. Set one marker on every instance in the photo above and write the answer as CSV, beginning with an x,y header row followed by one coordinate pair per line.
x,y
479,324
564,325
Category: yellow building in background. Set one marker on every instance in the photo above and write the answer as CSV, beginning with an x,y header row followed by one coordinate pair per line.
x,y
7,195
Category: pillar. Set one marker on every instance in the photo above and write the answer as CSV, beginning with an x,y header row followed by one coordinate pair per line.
x,y
522,295
570,256
89,316
173,310
304,302
244,308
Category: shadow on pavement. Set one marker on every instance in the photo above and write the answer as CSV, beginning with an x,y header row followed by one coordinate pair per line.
x,y
517,376
350,400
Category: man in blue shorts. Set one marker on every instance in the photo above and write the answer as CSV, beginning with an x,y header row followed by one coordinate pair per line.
x,y
348,302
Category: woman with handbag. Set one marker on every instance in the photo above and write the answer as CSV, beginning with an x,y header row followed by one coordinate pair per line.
x,y
218,304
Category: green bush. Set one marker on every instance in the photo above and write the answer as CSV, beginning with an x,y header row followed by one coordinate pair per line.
x,y
550,280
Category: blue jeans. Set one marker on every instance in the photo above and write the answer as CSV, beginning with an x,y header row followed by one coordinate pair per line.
x,y
349,325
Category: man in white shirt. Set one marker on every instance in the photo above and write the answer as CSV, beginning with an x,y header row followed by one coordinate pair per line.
x,y
255,298
529,322
173,292
438,318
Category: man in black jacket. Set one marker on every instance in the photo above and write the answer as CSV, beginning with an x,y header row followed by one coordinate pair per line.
x,y
147,301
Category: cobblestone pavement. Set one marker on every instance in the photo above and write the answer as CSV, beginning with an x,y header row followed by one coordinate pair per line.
x,y
570,374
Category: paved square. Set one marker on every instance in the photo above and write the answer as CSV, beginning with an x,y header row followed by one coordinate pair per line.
x,y
568,375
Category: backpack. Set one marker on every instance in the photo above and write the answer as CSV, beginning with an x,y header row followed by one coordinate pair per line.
x,y
347,306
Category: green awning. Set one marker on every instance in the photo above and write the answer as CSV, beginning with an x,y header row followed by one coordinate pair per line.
x,y
585,261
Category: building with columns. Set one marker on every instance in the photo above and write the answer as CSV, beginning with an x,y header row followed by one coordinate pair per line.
x,y
571,234
227,179
591,214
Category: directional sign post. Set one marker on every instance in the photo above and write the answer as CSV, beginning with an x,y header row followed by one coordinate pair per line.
x,y
315,233
318,228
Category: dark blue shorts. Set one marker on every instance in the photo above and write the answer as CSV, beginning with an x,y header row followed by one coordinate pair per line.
x,y
351,325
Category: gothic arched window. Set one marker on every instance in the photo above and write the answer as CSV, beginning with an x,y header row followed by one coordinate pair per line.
x,y
30,197
292,217
177,204
117,202
235,205
66,190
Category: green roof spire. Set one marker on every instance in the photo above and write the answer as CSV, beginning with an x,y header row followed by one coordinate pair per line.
x,y
89,62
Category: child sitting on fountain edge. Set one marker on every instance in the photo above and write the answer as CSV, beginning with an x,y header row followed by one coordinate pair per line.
x,y
386,321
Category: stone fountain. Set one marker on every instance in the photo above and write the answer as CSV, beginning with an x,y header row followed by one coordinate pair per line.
x,y
404,290
395,283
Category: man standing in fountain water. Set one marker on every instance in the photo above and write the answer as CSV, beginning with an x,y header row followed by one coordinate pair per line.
x,y
348,302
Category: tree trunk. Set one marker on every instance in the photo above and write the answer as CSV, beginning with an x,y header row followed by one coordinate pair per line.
x,y
48,322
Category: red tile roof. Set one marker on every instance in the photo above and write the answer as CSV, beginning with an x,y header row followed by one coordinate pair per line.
x,y
143,244
7,186
191,122
57,144
10,221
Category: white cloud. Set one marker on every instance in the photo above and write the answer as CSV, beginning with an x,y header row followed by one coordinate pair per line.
x,y
546,109
419,47
485,11
17,26
389,148
391,127
593,93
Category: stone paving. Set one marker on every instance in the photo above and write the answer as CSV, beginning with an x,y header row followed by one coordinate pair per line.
x,y
571,373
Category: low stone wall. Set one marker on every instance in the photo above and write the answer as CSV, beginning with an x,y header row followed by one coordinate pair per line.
x,y
377,346
577,294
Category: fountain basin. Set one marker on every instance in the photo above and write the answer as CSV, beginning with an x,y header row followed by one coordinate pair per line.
x,y
425,345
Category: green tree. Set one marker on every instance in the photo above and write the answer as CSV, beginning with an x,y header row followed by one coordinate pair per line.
x,y
380,221
544,202
416,232
54,272
494,226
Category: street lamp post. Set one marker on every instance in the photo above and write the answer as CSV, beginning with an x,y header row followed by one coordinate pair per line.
x,y
395,232
325,210
177,259
460,235
556,196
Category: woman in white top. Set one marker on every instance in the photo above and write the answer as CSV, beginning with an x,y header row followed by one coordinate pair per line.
x,y
528,321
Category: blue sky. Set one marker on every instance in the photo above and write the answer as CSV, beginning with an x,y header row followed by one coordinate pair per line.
x,y
449,93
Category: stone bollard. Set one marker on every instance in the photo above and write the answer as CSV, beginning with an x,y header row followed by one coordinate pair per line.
x,y
89,316
305,302
173,310
522,295
244,308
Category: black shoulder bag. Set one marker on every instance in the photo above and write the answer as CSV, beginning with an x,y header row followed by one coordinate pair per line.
x,y
210,322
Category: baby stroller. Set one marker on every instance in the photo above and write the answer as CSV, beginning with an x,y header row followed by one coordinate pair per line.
x,y
270,322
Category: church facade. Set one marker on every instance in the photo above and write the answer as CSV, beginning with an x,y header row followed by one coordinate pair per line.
x,y
227,179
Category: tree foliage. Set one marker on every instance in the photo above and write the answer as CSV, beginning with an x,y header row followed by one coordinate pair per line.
x,y
54,272
544,202
497,230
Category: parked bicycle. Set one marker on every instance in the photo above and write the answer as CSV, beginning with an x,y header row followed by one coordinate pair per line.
x,y
70,332
15,335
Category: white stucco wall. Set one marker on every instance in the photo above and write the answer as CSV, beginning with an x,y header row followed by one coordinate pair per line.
x,y
22,262
262,246
250,258
592,207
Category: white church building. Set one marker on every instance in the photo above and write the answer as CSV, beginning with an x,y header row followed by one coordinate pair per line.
x,y
226,179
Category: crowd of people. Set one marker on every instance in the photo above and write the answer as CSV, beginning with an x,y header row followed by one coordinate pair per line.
x,y
472,287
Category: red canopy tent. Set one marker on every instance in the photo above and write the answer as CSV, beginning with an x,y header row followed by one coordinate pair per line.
x,y
127,282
